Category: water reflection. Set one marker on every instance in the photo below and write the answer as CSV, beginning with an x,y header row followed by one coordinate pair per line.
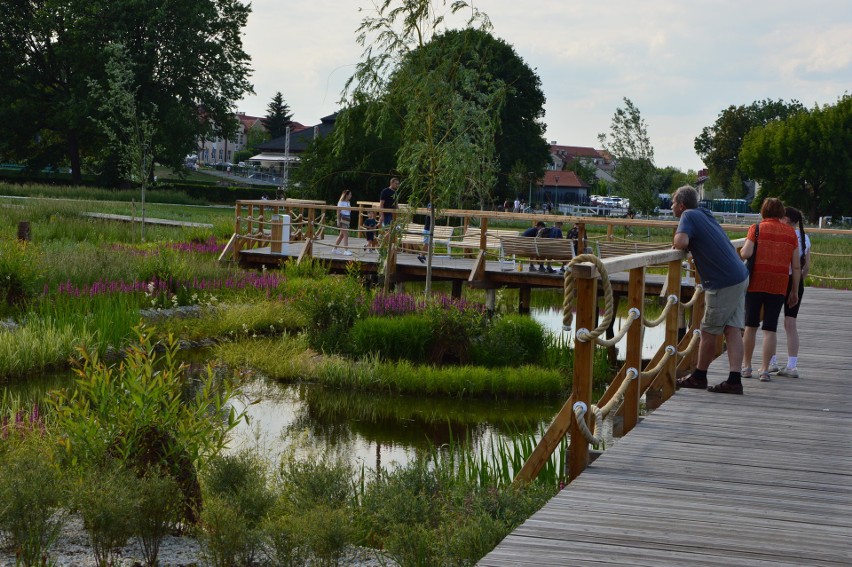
x,y
371,430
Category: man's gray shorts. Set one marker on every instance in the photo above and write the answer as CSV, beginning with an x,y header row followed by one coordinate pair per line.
x,y
724,307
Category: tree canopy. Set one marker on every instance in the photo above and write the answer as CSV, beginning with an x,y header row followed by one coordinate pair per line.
x,y
805,159
634,172
278,116
186,60
459,102
719,145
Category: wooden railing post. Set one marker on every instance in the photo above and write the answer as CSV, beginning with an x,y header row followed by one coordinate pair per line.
x,y
311,217
483,234
237,222
635,299
669,370
584,353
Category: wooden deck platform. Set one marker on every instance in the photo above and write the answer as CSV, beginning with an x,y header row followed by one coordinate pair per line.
x,y
456,268
710,479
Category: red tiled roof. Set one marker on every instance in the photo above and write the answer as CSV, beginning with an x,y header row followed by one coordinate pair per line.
x,y
574,151
567,179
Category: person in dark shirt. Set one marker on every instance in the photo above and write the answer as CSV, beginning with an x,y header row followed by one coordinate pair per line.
x,y
387,200
370,223
533,230
724,278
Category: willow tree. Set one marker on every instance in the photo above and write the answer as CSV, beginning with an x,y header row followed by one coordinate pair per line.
x,y
447,110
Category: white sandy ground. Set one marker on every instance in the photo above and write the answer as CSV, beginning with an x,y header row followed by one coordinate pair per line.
x,y
72,550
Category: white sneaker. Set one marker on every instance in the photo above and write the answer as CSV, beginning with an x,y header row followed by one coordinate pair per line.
x,y
347,253
773,369
789,372
336,251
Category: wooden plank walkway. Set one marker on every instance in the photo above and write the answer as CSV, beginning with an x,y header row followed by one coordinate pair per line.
x,y
710,479
148,220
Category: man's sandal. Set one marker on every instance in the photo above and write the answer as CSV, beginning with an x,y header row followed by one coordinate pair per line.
x,y
691,382
726,388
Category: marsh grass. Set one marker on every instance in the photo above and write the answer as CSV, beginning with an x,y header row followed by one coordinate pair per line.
x,y
236,321
37,346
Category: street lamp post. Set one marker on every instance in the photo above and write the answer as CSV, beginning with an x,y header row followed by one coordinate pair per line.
x,y
556,193
530,196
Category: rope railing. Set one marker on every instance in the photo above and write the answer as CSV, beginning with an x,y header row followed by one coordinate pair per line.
x,y
670,301
699,289
580,409
585,335
829,278
652,372
827,255
693,342
632,315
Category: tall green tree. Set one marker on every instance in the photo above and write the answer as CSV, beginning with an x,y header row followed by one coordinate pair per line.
x,y
719,145
278,116
50,50
584,170
805,159
128,126
447,111
634,172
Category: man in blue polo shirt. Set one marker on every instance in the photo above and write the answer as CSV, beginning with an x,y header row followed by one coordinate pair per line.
x,y
724,278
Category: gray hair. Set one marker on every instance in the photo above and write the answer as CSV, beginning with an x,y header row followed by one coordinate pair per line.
x,y
686,196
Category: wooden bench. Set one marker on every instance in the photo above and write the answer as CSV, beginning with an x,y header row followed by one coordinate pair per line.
x,y
412,235
472,237
608,249
535,248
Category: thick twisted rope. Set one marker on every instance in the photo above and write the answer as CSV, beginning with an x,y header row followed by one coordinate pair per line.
x,y
693,342
670,300
571,298
698,291
632,316
580,409
652,372
829,278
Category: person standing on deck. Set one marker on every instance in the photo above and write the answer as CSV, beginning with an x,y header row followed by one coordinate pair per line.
x,y
775,248
793,217
387,200
724,278
343,221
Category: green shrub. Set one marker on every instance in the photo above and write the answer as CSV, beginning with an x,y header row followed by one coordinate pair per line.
x,y
453,331
395,338
143,413
510,340
287,544
332,307
223,536
32,495
37,346
323,482
105,498
157,507
238,481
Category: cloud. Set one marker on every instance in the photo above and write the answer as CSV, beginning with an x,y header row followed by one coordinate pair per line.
x,y
680,62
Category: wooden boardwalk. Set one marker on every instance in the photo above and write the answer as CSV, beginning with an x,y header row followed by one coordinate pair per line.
x,y
711,479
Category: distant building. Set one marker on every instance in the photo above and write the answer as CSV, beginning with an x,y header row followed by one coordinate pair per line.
x,y
275,153
560,187
220,150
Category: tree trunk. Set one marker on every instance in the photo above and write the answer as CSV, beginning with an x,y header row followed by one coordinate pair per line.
x,y
74,157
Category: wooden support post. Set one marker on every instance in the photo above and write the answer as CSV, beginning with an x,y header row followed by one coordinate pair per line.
x,y
237,224
609,232
635,299
24,231
524,300
581,238
457,289
483,234
307,251
584,353
311,216
277,234
490,301
669,370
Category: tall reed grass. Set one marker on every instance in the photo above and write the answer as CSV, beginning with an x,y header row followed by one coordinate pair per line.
x,y
37,346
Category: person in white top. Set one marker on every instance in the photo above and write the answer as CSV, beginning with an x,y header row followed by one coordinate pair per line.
x,y
343,217
793,217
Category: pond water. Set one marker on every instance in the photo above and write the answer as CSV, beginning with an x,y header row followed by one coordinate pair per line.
x,y
372,430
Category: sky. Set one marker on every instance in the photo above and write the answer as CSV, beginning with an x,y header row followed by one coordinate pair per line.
x,y
681,62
